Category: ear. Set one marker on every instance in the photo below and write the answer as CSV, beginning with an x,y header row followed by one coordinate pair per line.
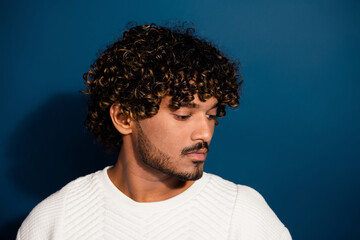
x,y
121,122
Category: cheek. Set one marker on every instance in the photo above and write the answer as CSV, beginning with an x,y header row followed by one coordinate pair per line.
x,y
163,135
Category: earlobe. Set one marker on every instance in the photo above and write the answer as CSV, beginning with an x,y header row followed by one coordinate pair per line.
x,y
121,122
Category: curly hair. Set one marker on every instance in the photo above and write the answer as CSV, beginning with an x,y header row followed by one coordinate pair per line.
x,y
148,63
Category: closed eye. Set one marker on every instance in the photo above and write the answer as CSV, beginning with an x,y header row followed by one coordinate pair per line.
x,y
213,117
182,117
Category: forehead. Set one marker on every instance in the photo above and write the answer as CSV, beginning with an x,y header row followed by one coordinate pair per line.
x,y
196,103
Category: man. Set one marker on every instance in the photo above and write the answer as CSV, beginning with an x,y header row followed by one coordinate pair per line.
x,y
155,95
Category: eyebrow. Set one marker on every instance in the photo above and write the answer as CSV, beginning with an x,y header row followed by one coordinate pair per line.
x,y
189,105
193,105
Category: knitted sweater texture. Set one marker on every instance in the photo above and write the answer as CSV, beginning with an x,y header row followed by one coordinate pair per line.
x,y
91,207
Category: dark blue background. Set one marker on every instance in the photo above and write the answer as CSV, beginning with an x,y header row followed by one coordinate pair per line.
x,y
295,138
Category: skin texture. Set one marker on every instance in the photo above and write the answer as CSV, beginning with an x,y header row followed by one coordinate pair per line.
x,y
161,156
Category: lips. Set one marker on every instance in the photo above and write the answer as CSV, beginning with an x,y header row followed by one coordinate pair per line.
x,y
198,155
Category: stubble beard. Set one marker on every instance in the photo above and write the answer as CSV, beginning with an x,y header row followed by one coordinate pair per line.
x,y
158,160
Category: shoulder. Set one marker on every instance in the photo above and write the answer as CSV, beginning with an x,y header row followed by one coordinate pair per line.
x,y
46,219
220,184
250,215
250,198
254,219
219,191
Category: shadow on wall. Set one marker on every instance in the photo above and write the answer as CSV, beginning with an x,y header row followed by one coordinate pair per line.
x,y
51,147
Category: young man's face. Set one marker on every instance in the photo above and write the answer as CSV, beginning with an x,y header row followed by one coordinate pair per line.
x,y
176,142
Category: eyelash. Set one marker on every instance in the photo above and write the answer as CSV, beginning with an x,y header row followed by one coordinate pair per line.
x,y
182,118
212,117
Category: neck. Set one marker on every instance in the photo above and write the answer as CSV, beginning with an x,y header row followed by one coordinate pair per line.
x,y
141,182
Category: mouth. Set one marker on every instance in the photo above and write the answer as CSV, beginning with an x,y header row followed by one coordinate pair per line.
x,y
198,155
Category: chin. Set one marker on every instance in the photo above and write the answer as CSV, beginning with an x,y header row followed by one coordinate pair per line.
x,y
190,176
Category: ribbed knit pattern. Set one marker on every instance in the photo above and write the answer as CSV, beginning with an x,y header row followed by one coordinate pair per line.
x,y
91,207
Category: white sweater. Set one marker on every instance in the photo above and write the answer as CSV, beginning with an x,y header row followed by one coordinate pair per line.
x,y
91,207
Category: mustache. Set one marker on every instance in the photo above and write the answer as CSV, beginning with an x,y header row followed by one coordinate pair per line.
x,y
196,147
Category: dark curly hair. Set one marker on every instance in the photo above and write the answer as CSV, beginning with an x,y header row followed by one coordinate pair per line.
x,y
148,63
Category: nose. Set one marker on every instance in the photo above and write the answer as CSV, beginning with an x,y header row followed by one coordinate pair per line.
x,y
203,129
